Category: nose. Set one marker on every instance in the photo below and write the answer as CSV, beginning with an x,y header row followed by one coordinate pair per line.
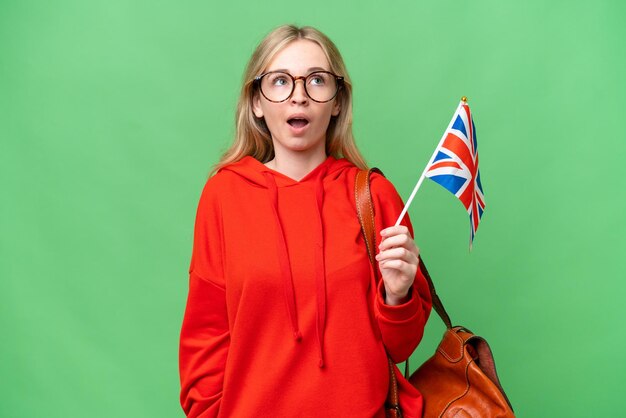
x,y
299,94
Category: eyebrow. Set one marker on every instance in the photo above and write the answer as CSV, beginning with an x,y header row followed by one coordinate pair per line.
x,y
310,70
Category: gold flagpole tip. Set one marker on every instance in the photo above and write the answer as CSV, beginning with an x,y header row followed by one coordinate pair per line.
x,y
464,99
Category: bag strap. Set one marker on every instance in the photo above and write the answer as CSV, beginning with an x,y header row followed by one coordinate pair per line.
x,y
365,212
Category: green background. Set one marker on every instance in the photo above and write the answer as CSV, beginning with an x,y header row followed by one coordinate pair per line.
x,y
112,112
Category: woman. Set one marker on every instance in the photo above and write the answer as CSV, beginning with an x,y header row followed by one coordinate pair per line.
x,y
282,317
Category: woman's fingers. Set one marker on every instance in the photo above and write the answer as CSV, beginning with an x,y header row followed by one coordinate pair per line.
x,y
398,258
403,240
409,269
397,236
394,230
398,253
400,241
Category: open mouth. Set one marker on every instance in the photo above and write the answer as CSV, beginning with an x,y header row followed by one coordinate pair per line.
x,y
298,122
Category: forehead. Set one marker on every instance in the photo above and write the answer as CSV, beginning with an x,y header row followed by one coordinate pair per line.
x,y
298,57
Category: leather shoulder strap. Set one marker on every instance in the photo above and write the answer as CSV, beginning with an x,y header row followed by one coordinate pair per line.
x,y
365,212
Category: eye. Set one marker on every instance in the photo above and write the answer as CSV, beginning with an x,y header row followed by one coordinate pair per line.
x,y
317,79
279,80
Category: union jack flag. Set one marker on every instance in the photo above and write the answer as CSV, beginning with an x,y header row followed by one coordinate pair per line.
x,y
455,165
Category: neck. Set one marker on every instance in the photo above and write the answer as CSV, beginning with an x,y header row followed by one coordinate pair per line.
x,y
296,165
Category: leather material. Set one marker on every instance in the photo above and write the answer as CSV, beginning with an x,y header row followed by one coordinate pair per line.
x,y
460,379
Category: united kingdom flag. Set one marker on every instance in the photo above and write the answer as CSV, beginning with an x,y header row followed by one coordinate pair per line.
x,y
455,165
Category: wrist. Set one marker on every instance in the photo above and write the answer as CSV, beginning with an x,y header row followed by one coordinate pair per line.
x,y
394,299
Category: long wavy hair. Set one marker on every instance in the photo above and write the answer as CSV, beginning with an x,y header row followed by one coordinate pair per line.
x,y
252,137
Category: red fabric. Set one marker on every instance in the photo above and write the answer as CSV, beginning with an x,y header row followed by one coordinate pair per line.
x,y
280,319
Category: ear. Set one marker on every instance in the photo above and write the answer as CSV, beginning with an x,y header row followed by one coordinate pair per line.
x,y
336,108
256,106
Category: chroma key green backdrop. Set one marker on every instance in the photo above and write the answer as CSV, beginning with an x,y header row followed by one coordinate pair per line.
x,y
112,112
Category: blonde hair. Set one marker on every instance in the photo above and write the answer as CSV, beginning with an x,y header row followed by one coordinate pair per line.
x,y
252,137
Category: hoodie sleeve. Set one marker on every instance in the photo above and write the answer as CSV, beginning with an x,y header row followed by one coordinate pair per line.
x,y
205,336
401,326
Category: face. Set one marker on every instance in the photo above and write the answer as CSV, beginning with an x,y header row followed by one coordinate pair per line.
x,y
298,124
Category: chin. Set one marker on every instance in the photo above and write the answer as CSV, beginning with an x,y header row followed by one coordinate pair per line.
x,y
300,147
300,143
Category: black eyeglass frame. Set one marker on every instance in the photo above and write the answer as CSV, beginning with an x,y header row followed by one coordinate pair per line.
x,y
338,78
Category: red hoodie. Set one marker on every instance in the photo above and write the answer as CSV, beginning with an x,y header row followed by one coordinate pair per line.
x,y
282,319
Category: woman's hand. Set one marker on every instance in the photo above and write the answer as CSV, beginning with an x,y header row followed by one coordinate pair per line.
x,y
398,258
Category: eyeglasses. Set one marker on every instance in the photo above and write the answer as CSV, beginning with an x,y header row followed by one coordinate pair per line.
x,y
278,86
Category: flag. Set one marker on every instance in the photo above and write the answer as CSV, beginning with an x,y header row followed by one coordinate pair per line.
x,y
454,165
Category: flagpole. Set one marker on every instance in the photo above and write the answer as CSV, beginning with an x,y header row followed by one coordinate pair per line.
x,y
421,179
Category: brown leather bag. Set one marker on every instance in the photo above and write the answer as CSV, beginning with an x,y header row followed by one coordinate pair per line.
x,y
460,379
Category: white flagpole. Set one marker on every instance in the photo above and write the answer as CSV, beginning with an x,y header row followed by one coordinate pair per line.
x,y
421,179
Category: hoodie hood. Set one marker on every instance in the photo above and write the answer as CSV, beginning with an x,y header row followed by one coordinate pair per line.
x,y
259,175
254,171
